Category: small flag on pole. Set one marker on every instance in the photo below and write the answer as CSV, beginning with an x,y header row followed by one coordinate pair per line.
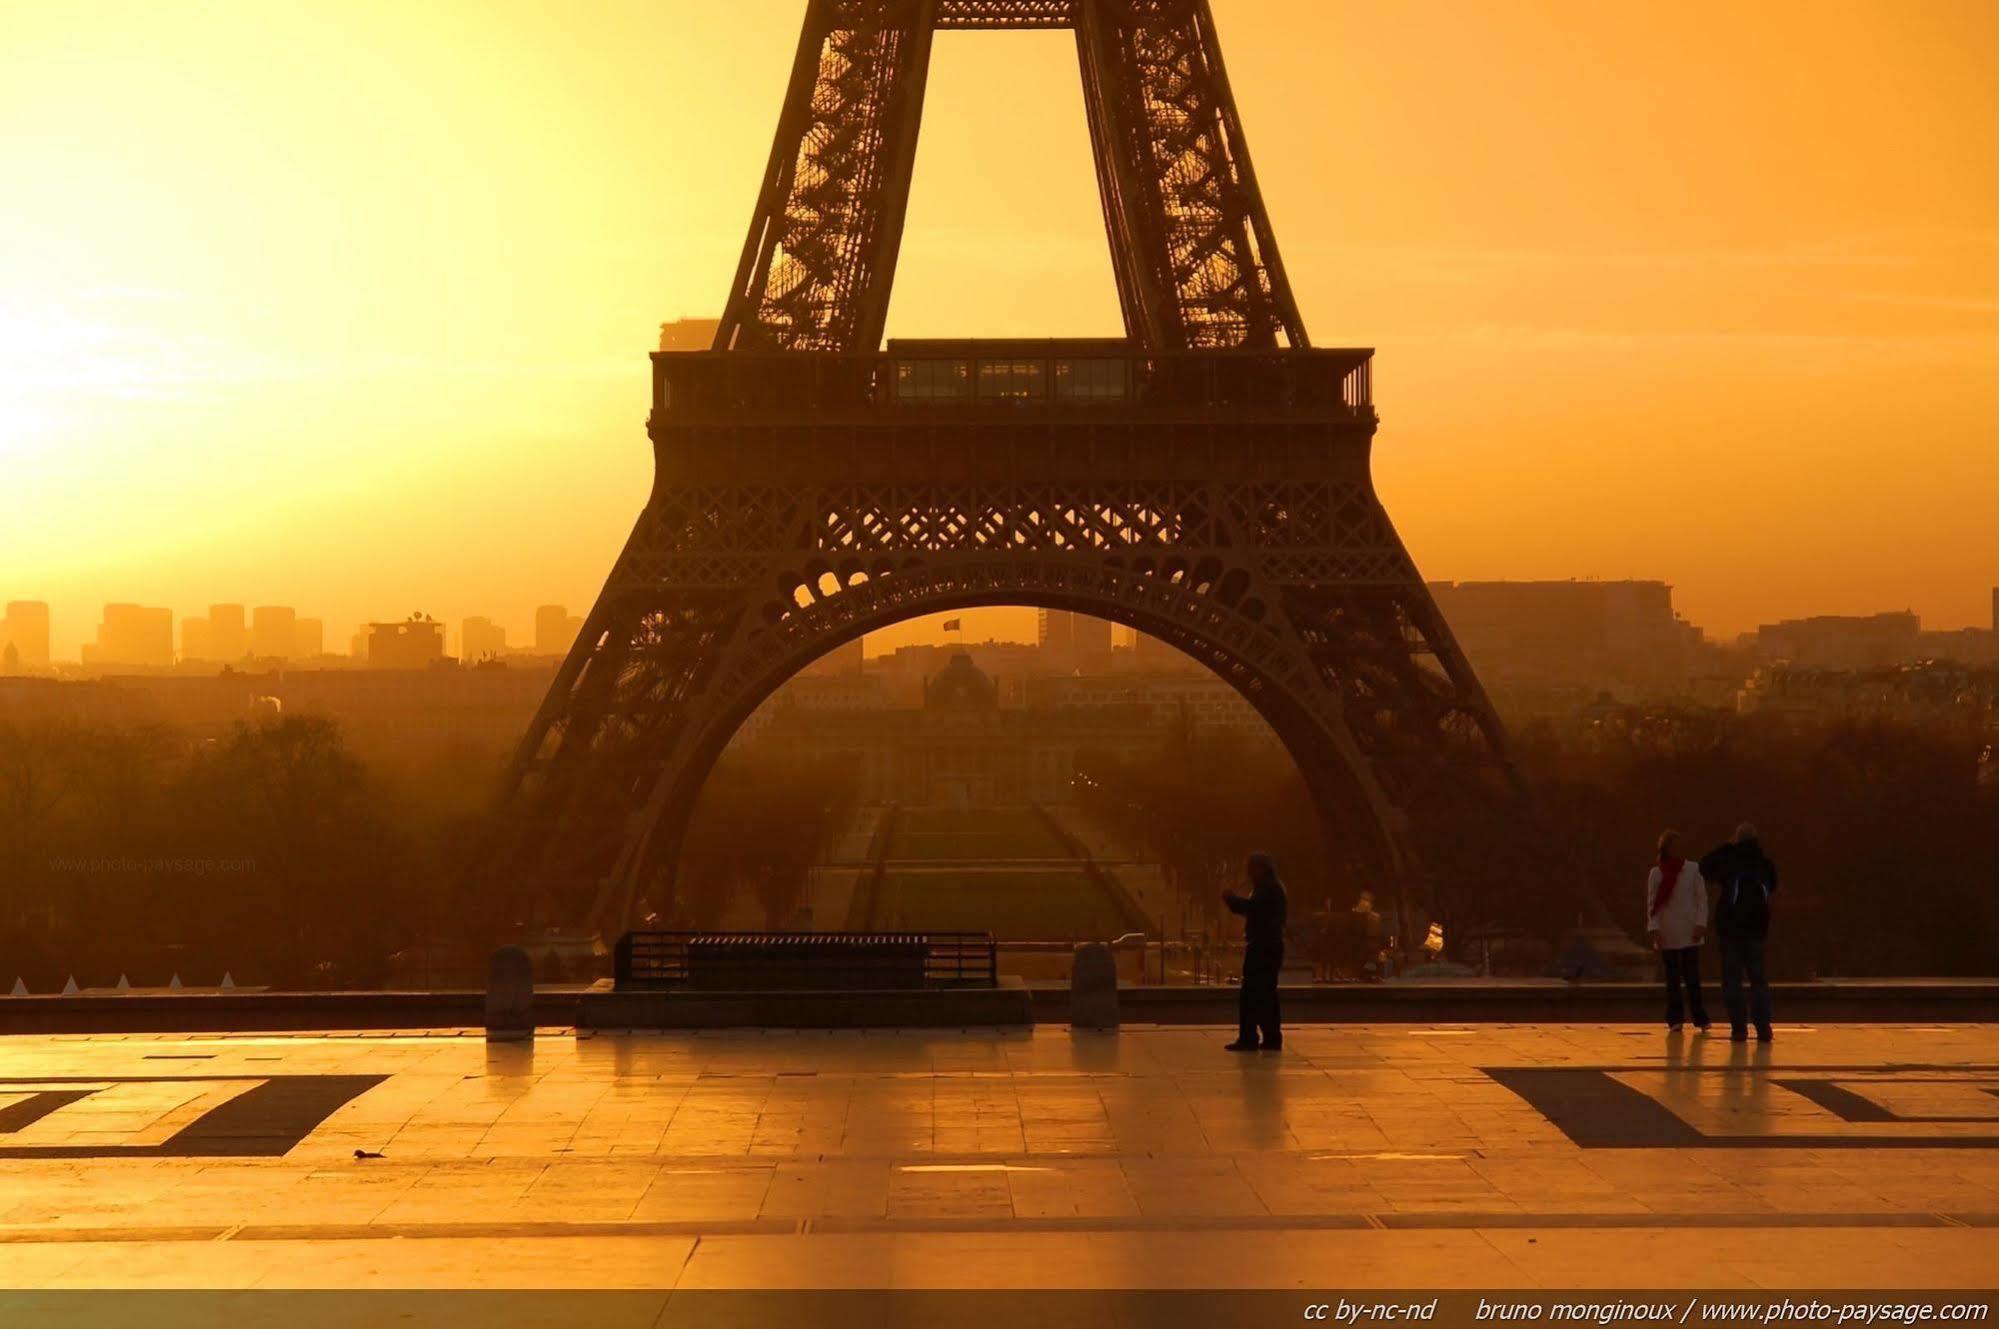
x,y
954,625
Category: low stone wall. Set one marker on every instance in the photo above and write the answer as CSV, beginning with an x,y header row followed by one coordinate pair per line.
x,y
1915,1001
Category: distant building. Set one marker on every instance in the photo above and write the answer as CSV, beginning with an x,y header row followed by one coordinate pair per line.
x,y
833,692
1968,646
1201,701
133,635
481,639
1841,641
273,632
1597,634
197,642
309,639
958,748
962,741
414,643
907,670
555,630
26,629
227,637
688,334
1075,640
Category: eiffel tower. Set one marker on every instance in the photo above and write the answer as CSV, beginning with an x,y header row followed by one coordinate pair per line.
x,y
1204,479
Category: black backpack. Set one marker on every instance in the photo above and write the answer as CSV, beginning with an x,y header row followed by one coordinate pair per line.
x,y
1745,898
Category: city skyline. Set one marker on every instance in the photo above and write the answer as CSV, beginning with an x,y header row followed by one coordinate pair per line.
x,y
306,401
547,629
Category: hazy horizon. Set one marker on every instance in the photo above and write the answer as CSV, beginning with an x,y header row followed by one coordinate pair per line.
x,y
348,309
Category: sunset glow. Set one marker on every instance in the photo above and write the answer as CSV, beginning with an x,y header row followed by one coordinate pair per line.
x,y
347,306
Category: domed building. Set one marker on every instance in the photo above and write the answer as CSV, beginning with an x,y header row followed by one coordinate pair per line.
x,y
961,686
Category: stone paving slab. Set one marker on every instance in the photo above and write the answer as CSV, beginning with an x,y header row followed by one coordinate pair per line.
x,y
1494,1155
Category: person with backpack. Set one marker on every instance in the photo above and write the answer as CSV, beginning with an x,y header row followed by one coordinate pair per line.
x,y
1744,881
1676,919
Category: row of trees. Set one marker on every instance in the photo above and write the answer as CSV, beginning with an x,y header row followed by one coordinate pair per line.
x,y
277,854
1202,805
761,824
1887,844
268,853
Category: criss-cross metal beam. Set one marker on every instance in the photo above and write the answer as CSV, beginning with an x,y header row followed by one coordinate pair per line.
x,y
990,14
1192,247
817,269
1197,259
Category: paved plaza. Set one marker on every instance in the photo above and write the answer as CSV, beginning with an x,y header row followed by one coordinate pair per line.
x,y
1491,1156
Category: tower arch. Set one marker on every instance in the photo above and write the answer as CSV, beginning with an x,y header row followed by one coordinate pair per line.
x,y
1205,478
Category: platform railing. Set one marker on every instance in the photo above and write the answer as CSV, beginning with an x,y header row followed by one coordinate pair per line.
x,y
1315,381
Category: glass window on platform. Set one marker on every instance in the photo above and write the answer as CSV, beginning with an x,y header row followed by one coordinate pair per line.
x,y
1011,380
1091,380
933,380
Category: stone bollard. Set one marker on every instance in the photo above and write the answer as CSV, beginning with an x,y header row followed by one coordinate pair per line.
x,y
1093,987
509,996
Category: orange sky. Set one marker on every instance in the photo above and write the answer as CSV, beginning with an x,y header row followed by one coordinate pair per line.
x,y
346,306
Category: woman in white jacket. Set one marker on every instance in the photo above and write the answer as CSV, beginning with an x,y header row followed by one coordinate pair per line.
x,y
1676,918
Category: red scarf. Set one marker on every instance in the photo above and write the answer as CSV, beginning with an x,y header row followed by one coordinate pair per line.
x,y
1669,877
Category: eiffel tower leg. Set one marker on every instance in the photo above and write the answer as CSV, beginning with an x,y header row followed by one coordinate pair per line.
x,y
606,732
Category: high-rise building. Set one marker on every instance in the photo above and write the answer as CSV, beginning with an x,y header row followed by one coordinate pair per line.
x,y
133,635
1841,641
481,639
1571,633
196,641
273,632
226,635
26,629
555,629
414,643
1073,640
1995,609
308,639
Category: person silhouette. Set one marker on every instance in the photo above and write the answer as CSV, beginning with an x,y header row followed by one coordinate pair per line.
x,y
1676,920
1745,884
1263,912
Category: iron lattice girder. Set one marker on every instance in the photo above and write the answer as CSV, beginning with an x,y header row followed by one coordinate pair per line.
x,y
1258,580
816,271
989,14
1203,268
1195,258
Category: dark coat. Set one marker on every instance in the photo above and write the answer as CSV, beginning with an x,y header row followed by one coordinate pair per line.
x,y
1743,881
1263,911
